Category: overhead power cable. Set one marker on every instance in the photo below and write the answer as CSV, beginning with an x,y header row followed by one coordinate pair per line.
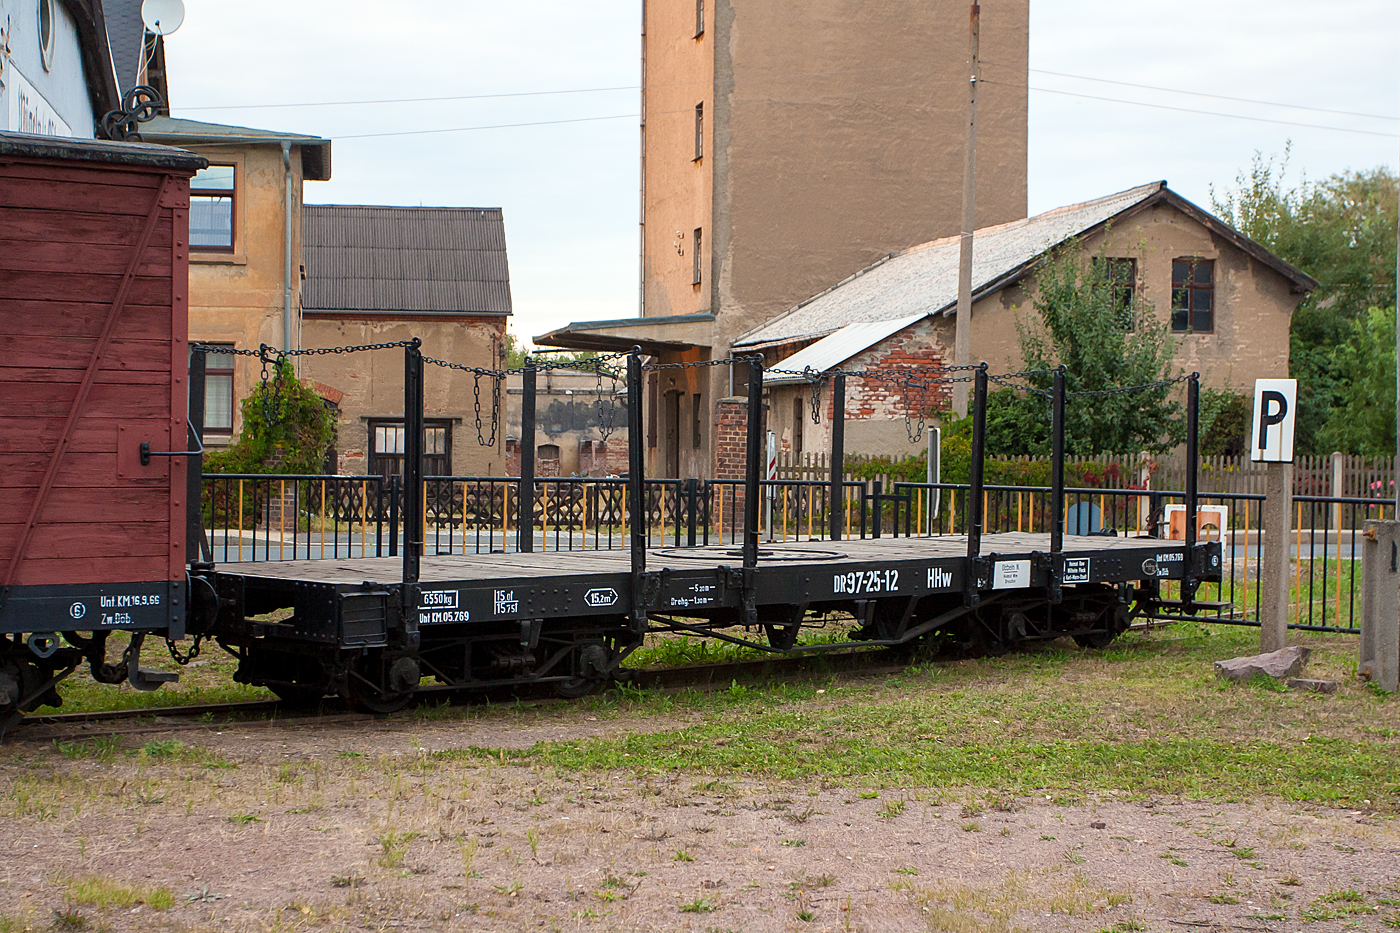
x,y
493,126
625,116
1207,113
634,87
414,100
752,101
1239,100
635,116
579,90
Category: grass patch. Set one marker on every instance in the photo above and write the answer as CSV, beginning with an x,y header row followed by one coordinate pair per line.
x,y
69,920
684,651
957,907
1147,716
1335,905
102,749
97,891
701,905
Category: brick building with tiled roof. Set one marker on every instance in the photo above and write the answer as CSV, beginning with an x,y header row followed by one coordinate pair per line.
x,y
383,274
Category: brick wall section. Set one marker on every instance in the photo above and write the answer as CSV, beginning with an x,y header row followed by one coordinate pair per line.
x,y
597,458
869,399
730,437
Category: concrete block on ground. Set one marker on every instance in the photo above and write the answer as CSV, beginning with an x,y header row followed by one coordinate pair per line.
x,y
1312,686
1285,662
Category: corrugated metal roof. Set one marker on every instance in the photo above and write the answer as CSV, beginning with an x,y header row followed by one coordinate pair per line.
x,y
419,259
834,349
923,280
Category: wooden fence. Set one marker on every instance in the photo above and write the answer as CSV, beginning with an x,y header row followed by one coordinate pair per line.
x,y
1335,475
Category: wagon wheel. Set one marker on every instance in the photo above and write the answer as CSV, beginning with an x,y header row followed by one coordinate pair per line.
x,y
374,686
591,666
1118,619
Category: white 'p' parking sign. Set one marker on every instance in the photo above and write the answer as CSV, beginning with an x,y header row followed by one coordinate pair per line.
x,y
1275,412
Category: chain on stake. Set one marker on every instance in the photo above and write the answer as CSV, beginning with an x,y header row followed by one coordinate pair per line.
x,y
607,409
481,439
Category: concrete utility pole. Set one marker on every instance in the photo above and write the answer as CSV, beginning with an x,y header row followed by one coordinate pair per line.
x,y
962,336
1396,490
1275,552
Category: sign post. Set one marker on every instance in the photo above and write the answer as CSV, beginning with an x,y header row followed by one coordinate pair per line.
x,y
770,473
1271,442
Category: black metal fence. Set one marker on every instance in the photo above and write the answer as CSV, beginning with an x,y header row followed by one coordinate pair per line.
x,y
251,517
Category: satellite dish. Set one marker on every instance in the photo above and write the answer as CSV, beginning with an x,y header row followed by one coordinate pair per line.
x,y
162,17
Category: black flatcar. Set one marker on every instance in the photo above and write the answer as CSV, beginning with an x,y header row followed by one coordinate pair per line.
x,y
100,508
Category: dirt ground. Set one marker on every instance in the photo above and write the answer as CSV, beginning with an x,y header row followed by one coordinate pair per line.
x,y
415,826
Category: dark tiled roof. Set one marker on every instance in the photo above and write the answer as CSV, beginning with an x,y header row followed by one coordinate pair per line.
x,y
125,34
395,259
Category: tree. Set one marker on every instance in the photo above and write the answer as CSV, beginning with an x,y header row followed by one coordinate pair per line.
x,y
1224,424
287,428
1341,231
1363,420
1081,320
516,352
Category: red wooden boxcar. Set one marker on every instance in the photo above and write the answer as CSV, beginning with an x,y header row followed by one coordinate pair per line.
x,y
94,283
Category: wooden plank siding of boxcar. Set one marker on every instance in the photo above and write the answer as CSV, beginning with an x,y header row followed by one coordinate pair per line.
x,y
74,191
67,237
72,353
24,224
74,319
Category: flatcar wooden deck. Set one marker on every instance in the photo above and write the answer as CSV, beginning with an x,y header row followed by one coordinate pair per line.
x,y
547,564
482,587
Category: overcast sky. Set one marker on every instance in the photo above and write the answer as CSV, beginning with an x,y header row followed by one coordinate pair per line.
x,y
569,189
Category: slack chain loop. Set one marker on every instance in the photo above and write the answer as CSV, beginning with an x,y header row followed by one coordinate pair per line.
x,y
183,659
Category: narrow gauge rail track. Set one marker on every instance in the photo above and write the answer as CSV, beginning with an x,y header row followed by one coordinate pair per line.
x,y
333,711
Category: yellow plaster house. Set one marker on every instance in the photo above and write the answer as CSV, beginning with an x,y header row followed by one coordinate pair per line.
x,y
245,248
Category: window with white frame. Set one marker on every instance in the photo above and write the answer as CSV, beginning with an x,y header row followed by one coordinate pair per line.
x,y
212,195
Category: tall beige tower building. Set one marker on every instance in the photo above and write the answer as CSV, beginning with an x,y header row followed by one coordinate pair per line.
x,y
786,146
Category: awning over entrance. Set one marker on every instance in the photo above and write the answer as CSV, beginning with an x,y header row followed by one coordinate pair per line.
x,y
655,335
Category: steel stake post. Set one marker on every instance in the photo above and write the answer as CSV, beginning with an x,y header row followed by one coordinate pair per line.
x,y
412,462
974,507
1193,415
838,454
525,492
636,488
1057,484
753,463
